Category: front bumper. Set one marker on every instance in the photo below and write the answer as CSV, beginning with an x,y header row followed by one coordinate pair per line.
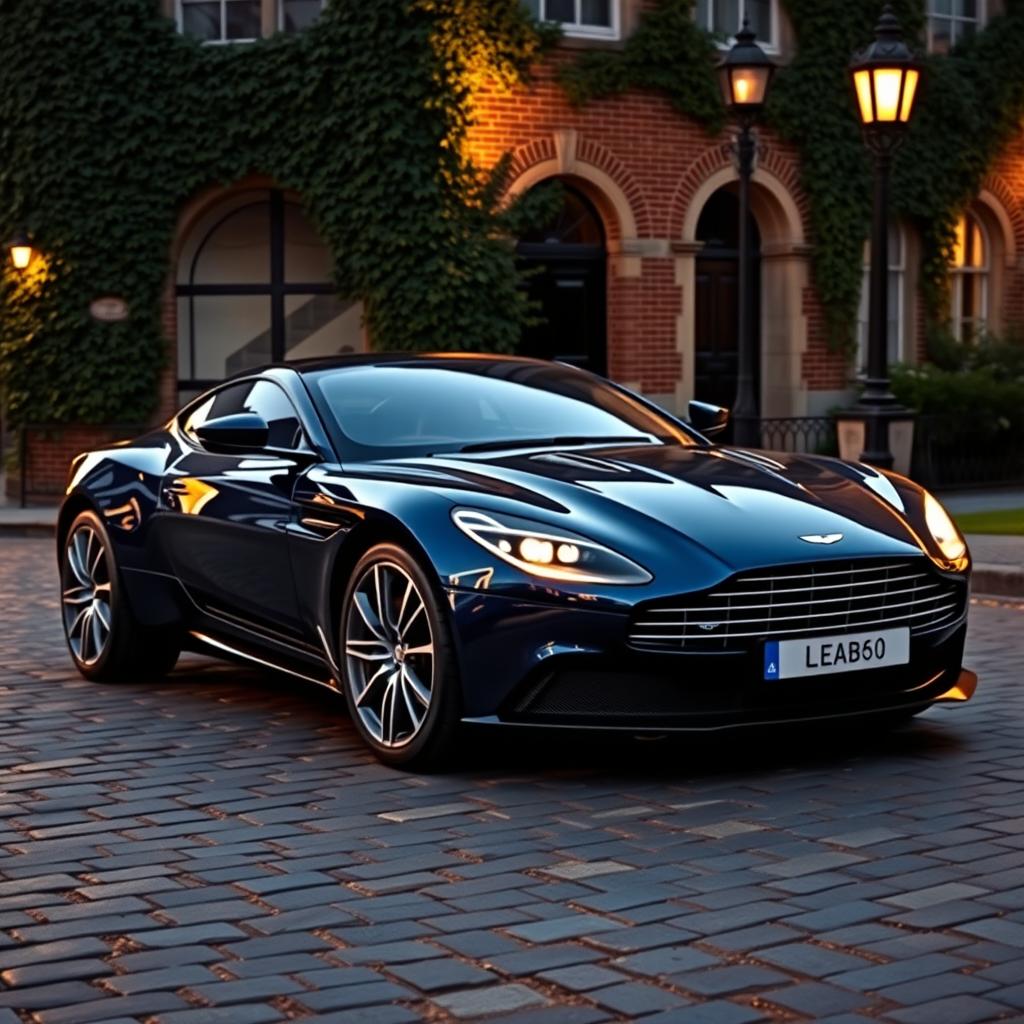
x,y
527,663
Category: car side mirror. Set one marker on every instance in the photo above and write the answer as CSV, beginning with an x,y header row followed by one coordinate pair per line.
x,y
241,431
708,419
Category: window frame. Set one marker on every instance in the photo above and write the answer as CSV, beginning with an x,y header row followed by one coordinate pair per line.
x,y
276,288
771,45
960,274
179,9
953,20
899,268
575,30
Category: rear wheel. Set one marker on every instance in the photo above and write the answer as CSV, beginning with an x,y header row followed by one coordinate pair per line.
x,y
401,682
105,640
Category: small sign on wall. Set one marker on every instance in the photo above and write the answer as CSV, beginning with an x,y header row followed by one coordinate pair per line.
x,y
109,309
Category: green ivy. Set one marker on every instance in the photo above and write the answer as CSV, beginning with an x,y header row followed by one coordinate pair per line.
x,y
666,52
110,120
971,105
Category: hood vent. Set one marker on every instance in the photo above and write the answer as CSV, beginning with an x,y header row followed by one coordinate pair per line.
x,y
581,462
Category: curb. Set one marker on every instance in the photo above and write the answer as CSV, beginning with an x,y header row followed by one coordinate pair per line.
x,y
997,580
32,528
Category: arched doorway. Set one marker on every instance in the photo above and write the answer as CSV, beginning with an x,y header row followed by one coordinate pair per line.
x,y
253,287
717,298
568,260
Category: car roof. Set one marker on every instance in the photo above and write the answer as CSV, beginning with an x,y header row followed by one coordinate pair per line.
x,y
319,364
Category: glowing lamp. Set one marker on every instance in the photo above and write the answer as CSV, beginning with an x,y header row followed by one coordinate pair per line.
x,y
885,77
20,249
745,74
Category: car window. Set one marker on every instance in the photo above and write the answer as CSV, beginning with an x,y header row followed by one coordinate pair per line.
x,y
395,410
262,397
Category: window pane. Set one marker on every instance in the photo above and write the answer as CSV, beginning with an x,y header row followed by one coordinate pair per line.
x,y
231,333
533,6
596,12
964,30
703,13
321,325
238,250
965,8
895,246
941,7
300,14
395,410
939,29
893,318
201,20
726,17
243,19
560,10
760,14
306,259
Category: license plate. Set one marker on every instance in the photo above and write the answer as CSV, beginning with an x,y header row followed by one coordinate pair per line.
x,y
824,655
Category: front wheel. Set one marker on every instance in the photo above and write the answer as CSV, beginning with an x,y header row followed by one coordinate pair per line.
x,y
105,640
401,681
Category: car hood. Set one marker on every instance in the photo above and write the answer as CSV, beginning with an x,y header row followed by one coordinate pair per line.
x,y
743,508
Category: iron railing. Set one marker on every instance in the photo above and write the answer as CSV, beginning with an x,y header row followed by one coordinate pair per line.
x,y
812,435
953,451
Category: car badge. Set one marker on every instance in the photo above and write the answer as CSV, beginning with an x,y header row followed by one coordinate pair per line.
x,y
821,538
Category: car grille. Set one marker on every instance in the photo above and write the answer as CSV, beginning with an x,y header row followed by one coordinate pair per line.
x,y
801,600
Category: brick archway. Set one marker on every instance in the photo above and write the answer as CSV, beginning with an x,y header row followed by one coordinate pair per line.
x,y
777,207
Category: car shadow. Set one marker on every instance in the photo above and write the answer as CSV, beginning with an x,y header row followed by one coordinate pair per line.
x,y
517,750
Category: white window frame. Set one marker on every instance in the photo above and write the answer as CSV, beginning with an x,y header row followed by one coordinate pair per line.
x,y
280,13
180,5
575,30
954,20
898,267
959,275
768,45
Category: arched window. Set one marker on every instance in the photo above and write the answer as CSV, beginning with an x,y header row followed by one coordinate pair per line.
x,y
970,269
575,223
897,296
254,286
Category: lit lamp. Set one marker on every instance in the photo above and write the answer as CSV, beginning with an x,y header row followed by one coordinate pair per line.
x,y
745,74
20,249
885,80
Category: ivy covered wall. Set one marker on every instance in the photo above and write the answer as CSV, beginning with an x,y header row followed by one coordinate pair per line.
x,y
110,120
971,104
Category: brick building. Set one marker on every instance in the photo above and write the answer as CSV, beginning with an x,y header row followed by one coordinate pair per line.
x,y
637,276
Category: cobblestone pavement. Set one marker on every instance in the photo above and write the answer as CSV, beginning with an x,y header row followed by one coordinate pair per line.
x,y
220,848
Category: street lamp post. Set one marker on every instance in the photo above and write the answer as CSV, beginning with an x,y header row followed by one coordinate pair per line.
x,y
745,74
885,78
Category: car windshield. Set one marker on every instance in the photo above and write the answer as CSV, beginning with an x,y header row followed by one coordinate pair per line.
x,y
395,410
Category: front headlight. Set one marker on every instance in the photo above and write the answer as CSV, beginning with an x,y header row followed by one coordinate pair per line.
x,y
943,529
537,550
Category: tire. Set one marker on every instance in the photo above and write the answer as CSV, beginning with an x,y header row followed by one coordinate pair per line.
x,y
401,678
106,642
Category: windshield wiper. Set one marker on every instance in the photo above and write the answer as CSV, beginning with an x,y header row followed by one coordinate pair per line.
x,y
551,442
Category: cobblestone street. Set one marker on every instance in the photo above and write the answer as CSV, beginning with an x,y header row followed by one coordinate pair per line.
x,y
220,847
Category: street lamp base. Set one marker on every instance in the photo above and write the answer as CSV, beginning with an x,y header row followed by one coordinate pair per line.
x,y
881,436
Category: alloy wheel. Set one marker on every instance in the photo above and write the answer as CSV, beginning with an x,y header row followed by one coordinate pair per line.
x,y
86,594
389,654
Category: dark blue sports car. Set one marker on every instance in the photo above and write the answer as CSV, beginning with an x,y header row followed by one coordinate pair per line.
x,y
450,539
